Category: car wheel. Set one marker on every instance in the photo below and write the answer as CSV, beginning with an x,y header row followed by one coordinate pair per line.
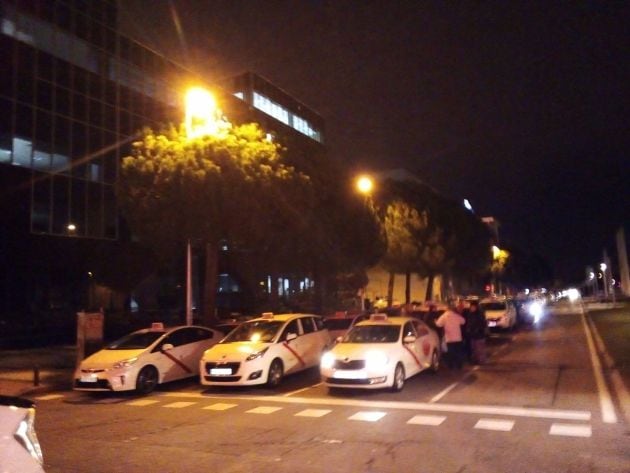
x,y
399,378
435,361
275,374
147,380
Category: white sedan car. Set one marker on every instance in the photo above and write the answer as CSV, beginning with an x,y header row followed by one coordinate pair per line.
x,y
146,358
381,352
263,350
500,313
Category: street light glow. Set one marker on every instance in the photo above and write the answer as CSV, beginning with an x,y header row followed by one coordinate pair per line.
x,y
365,184
203,116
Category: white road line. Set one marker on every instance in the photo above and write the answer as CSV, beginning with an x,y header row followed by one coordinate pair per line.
x,y
49,397
495,424
313,413
297,391
264,410
617,382
368,416
426,420
417,406
179,405
142,402
605,401
571,430
444,392
220,406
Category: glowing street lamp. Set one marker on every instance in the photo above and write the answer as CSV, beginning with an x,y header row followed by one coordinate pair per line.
x,y
365,184
203,116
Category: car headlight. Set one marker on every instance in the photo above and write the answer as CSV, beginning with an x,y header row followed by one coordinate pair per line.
x,y
26,435
328,360
258,354
535,309
125,363
375,360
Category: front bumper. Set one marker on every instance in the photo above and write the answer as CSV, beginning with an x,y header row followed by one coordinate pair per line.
x,y
104,380
359,378
233,373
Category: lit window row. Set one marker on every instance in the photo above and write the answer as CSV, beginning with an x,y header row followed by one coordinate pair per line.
x,y
280,113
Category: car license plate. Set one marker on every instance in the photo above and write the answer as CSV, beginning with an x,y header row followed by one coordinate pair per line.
x,y
349,374
492,323
220,371
89,378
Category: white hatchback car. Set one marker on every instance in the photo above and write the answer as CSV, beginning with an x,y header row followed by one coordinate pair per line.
x,y
263,350
381,352
145,358
500,313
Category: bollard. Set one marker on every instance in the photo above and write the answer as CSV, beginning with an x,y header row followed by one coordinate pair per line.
x,y
36,375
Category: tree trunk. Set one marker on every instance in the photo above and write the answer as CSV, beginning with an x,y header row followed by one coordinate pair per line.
x,y
211,277
390,289
429,295
407,287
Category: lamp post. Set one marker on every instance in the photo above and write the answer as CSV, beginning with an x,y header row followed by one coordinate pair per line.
x,y
604,269
364,185
202,118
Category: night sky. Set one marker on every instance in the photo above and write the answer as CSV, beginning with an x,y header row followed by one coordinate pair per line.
x,y
521,107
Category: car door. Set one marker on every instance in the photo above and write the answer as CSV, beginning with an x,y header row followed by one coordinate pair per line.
x,y
292,348
426,342
411,351
172,356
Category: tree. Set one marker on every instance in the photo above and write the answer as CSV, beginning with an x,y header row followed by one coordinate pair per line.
x,y
230,186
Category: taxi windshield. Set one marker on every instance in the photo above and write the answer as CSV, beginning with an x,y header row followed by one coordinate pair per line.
x,y
493,306
135,340
372,334
254,331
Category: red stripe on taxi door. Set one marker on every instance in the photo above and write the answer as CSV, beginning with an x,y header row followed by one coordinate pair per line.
x,y
286,345
178,362
413,355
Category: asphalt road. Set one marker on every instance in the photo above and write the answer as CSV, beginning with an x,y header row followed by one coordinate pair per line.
x,y
537,406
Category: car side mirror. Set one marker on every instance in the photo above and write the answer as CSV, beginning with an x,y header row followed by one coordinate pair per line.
x,y
167,347
291,336
409,339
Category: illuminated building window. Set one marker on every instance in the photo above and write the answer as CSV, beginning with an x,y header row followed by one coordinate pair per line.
x,y
271,108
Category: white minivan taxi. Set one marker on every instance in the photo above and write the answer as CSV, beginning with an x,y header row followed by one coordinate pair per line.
x,y
381,352
263,350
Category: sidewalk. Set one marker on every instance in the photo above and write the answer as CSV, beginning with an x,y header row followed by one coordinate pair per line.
x,y
37,370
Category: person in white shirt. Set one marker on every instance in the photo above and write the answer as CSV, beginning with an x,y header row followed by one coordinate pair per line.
x,y
452,323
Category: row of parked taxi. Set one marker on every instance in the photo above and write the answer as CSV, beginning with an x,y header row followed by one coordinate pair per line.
x,y
377,352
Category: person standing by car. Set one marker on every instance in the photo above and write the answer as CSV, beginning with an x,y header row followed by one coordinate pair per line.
x,y
476,332
452,323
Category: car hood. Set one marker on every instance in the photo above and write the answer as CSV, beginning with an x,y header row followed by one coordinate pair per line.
x,y
234,351
354,351
106,358
495,314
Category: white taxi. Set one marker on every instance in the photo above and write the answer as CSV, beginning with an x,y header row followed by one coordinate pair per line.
x,y
145,358
263,350
381,352
500,313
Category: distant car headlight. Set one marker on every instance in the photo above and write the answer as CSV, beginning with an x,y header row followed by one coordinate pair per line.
x,y
27,437
376,360
535,309
328,360
125,363
258,354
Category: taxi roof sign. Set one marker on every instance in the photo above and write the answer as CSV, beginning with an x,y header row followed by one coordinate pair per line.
x,y
379,317
157,326
267,315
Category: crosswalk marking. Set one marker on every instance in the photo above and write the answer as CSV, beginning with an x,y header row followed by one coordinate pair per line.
x,y
313,412
368,416
179,405
220,406
495,424
426,420
571,430
263,410
142,402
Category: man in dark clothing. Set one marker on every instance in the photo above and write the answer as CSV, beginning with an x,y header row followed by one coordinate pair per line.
x,y
476,331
